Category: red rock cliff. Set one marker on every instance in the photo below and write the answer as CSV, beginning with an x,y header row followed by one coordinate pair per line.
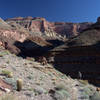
x,y
52,29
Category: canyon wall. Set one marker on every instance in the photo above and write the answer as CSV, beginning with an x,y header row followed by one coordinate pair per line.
x,y
50,30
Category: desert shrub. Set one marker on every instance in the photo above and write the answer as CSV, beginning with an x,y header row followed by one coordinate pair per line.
x,y
84,96
84,82
60,94
39,90
7,73
2,53
95,96
60,87
88,91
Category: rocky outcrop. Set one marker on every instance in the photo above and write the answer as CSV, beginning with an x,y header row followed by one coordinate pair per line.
x,y
39,40
40,26
4,86
13,34
71,29
6,30
4,25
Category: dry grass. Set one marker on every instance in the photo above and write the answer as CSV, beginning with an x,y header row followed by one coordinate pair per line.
x,y
8,97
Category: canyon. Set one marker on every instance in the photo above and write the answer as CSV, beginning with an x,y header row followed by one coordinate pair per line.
x,y
36,37
50,30
81,54
71,52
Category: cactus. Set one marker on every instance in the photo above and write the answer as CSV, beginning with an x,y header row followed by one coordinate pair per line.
x,y
19,84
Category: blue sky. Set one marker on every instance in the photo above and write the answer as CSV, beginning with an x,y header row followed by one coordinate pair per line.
x,y
52,10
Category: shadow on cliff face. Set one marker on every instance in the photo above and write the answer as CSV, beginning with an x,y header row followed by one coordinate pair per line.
x,y
80,63
56,42
31,49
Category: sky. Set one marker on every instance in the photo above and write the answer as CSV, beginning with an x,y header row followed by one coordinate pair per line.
x,y
52,10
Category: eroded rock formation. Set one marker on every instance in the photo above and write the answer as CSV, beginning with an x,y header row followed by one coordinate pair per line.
x,y
40,26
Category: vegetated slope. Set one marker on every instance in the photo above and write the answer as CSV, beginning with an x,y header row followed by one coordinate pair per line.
x,y
42,82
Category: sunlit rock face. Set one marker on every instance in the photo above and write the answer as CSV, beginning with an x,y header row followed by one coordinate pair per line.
x,y
7,31
70,29
40,26
17,36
